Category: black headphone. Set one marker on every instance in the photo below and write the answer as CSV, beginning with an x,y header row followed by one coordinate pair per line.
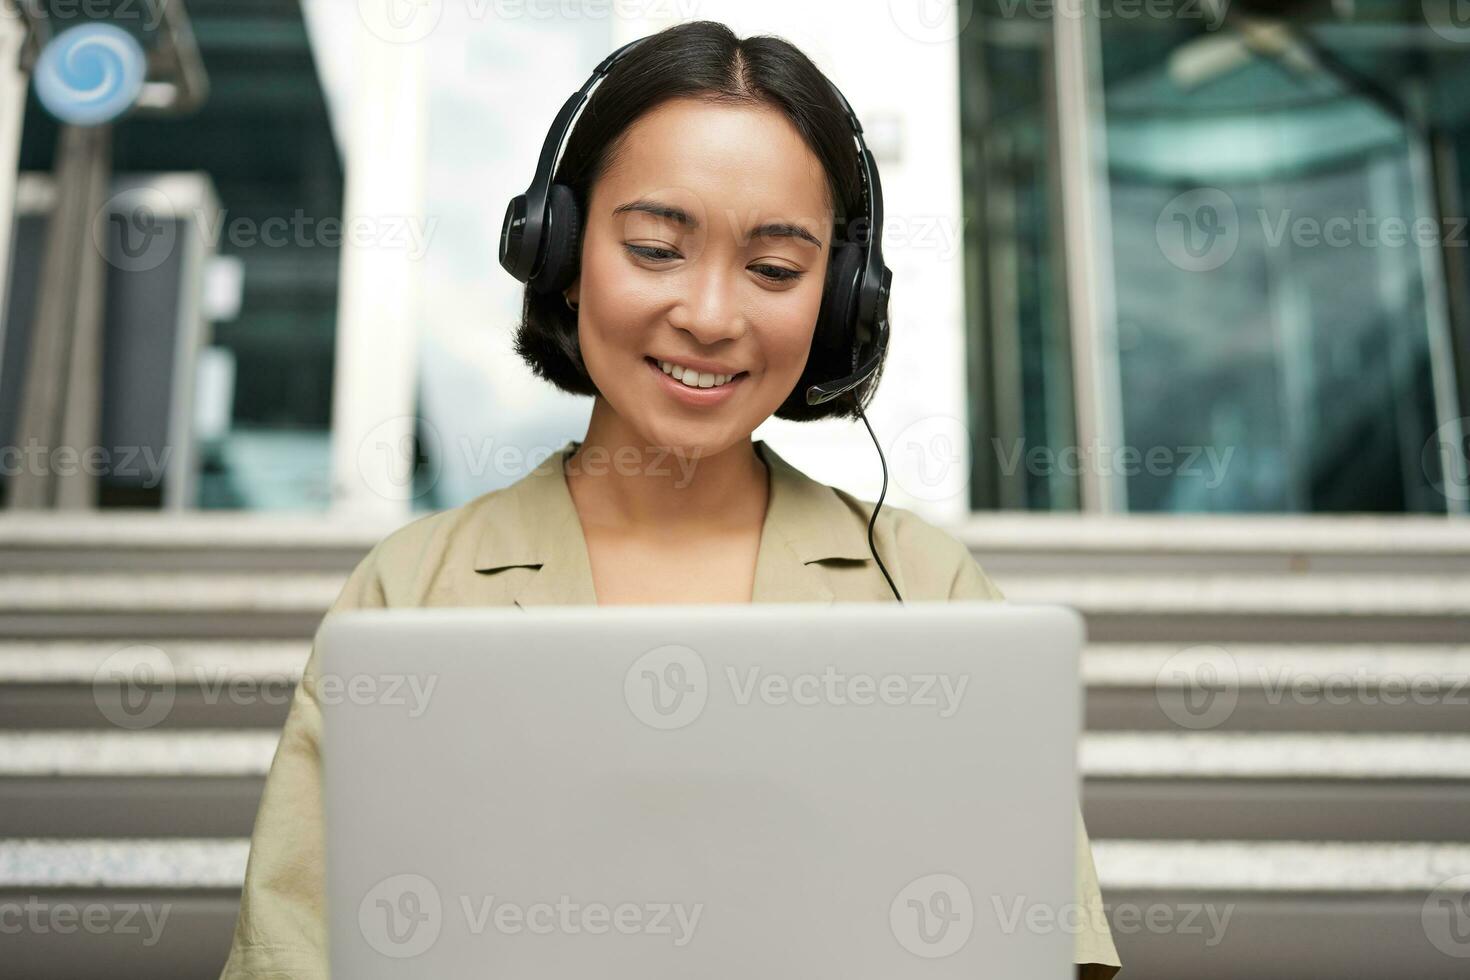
x,y
539,246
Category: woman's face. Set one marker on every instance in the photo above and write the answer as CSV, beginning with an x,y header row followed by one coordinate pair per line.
x,y
705,247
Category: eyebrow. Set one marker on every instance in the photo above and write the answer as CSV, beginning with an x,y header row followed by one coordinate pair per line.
x,y
771,229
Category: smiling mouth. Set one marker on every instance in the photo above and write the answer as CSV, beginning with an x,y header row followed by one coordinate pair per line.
x,y
693,379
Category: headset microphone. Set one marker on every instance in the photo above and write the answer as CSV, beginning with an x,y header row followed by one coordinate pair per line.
x,y
538,246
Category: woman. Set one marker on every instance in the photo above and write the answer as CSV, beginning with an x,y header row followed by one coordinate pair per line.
x,y
689,332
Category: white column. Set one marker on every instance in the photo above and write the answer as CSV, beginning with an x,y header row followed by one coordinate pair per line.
x,y
379,308
12,110
1087,234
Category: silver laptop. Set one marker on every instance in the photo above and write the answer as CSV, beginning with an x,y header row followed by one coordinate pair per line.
x,y
716,791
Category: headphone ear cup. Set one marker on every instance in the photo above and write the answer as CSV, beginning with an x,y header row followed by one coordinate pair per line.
x,y
563,241
836,332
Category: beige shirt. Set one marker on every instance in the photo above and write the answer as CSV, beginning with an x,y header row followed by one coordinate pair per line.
x,y
523,544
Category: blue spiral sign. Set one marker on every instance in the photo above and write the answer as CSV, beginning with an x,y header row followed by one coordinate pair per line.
x,y
90,74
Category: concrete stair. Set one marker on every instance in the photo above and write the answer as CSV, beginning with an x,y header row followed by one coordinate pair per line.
x,y
1278,729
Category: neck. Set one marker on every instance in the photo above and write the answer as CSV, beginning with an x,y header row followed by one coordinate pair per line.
x,y
620,481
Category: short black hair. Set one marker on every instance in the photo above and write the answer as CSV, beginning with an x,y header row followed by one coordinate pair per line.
x,y
704,59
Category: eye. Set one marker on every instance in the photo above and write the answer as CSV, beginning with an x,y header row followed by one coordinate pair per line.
x,y
651,252
778,273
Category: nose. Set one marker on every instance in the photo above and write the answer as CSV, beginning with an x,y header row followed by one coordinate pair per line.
x,y
711,309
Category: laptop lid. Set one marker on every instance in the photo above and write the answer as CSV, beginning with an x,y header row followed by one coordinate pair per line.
x,y
722,791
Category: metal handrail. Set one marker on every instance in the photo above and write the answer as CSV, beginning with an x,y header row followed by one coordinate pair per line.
x,y
189,86
38,30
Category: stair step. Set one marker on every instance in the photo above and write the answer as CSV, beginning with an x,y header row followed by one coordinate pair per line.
x,y
1251,607
1353,596
1279,687
1008,542
169,592
1273,755
1110,665
1214,607
1134,687
1212,910
1277,909
1167,866
206,683
1162,786
1266,664
1102,755
235,542
1136,785
185,661
102,863
166,605
88,753
1001,540
1278,866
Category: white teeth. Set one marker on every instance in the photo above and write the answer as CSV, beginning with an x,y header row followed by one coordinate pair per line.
x,y
693,379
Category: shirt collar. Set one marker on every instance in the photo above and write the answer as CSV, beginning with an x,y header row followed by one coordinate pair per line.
x,y
534,523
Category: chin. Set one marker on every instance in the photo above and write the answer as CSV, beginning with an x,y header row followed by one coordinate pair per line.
x,y
686,441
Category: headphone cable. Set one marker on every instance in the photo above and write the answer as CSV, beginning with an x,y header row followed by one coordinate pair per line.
x,y
881,493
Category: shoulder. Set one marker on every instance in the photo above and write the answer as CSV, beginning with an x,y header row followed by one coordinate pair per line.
x,y
934,563
406,565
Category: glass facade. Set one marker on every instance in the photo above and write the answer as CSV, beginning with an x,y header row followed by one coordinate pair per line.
x,y
1287,265
1277,317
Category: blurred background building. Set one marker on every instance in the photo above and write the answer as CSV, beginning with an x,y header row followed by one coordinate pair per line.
x,y
1181,324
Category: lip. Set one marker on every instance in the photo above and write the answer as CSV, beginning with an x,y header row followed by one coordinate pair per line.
x,y
699,397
